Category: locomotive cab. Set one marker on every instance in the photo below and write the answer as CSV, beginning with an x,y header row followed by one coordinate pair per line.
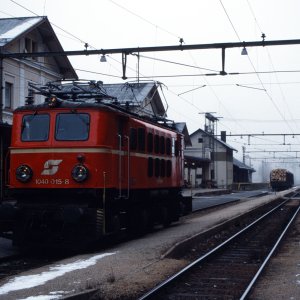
x,y
60,162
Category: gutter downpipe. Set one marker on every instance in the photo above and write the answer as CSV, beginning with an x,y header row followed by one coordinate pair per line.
x,y
1,137
1,89
128,165
120,165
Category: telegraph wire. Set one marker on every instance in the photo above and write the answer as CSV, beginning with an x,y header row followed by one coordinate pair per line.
x,y
254,17
230,20
144,19
97,73
177,63
234,84
250,87
260,120
5,13
24,7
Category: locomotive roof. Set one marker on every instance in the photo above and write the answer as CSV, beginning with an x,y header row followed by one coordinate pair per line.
x,y
77,105
141,97
64,104
93,104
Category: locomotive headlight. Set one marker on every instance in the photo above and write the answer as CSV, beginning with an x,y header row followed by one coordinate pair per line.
x,y
80,173
23,173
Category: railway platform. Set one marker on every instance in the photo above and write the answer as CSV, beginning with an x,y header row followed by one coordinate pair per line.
x,y
198,192
127,268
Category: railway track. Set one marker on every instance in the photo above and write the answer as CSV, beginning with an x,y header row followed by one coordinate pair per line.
x,y
230,270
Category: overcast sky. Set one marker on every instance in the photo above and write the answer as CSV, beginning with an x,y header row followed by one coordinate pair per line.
x,y
261,99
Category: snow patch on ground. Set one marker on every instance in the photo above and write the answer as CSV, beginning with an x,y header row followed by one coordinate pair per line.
x,y
29,281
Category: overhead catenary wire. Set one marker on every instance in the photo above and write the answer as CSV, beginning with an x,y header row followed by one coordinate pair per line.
x,y
177,63
218,74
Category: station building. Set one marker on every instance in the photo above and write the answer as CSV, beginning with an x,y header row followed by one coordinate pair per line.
x,y
208,161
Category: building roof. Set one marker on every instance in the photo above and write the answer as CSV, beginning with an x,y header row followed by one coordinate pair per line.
x,y
193,158
241,165
213,137
141,97
12,29
181,127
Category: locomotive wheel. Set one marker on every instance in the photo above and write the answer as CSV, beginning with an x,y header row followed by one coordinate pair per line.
x,y
140,221
116,224
165,216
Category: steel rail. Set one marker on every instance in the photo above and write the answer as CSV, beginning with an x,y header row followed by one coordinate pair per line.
x,y
251,284
163,284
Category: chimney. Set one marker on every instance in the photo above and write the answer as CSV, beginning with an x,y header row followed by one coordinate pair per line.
x,y
223,136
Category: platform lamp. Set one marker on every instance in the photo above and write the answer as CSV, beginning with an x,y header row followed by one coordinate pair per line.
x,y
244,50
103,58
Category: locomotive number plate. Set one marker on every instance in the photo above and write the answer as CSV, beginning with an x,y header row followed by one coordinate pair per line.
x,y
56,181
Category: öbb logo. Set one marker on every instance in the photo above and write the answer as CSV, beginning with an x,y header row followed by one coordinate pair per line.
x,y
51,166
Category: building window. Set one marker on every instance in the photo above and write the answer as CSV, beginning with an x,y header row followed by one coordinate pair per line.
x,y
8,95
200,140
30,47
30,97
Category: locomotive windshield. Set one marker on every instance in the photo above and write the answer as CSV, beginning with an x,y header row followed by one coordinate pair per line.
x,y
72,127
35,127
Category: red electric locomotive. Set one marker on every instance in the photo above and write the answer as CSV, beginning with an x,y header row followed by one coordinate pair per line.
x,y
83,167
